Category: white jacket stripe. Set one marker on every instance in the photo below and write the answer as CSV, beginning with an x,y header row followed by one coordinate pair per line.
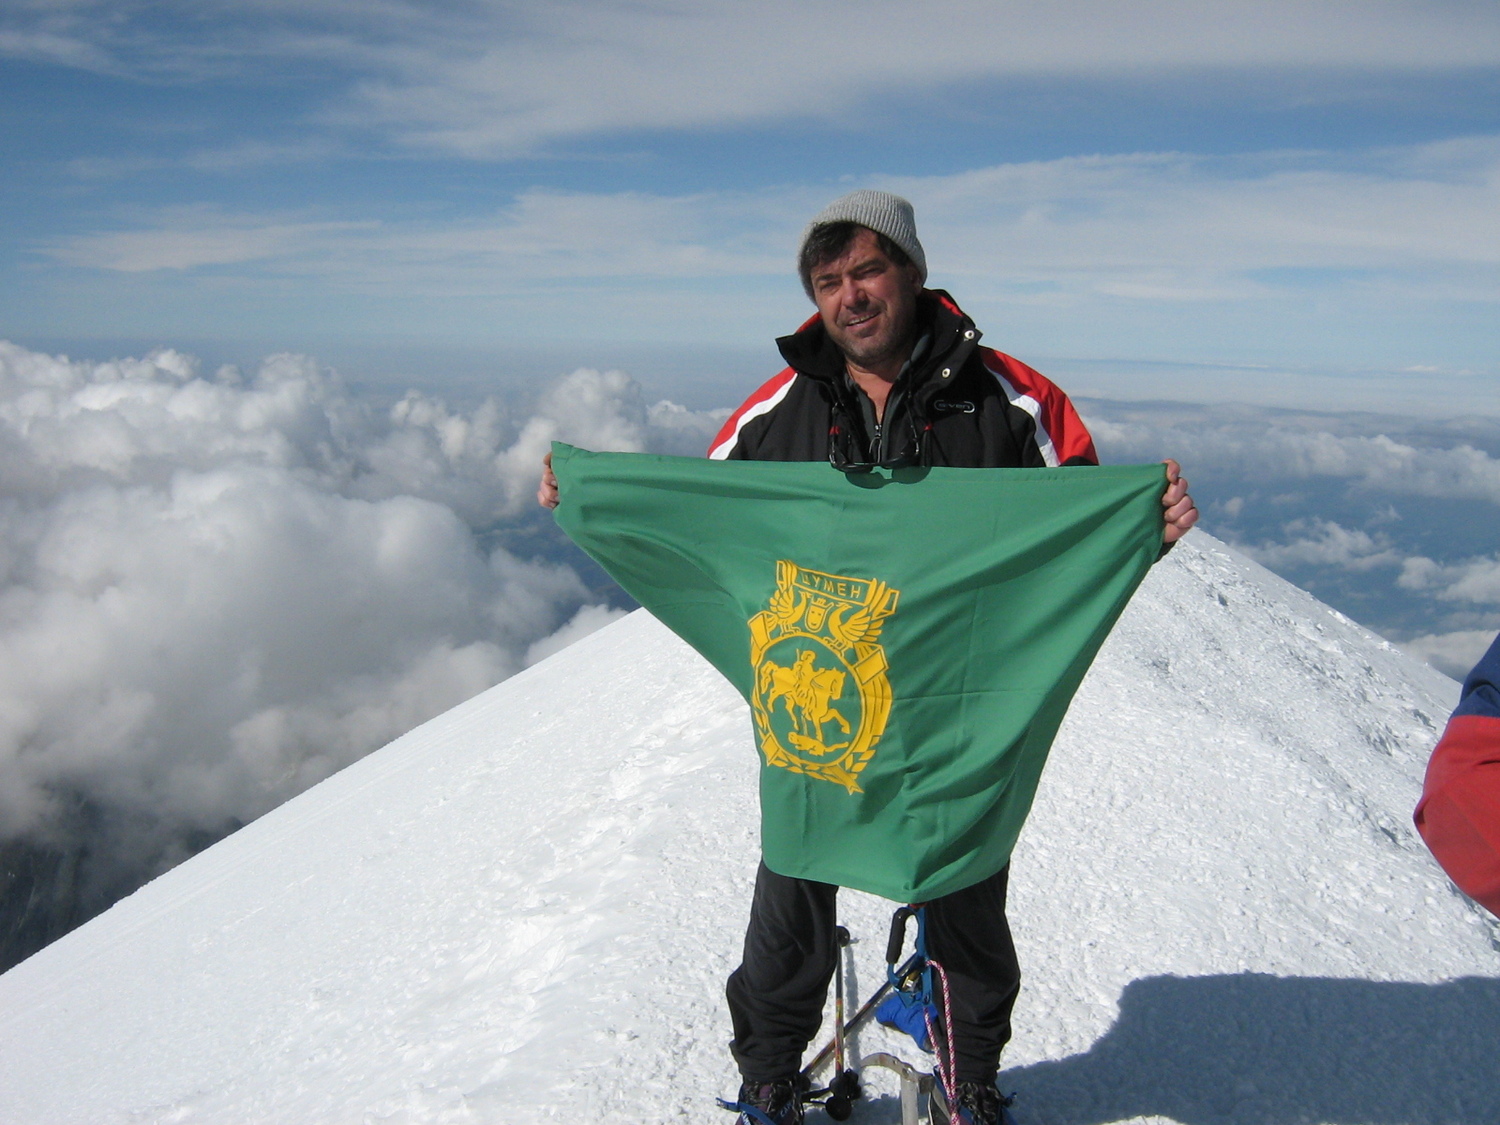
x,y
1032,407
721,449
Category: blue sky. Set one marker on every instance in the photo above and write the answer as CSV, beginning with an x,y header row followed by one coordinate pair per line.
x,y
1305,189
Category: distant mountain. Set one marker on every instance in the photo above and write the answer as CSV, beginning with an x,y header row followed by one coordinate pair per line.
x,y
524,910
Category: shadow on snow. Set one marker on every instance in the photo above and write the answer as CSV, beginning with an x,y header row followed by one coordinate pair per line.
x,y
1254,1049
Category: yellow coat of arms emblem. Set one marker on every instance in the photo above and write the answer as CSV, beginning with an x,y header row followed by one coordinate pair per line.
x,y
821,697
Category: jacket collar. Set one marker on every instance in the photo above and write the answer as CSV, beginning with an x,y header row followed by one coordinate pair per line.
x,y
810,352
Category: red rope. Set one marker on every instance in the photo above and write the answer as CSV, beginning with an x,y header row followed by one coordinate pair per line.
x,y
943,1069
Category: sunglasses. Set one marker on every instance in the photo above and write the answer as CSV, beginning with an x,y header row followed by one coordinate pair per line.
x,y
841,449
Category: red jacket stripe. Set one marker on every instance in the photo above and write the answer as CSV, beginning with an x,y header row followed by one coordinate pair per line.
x,y
1060,432
771,392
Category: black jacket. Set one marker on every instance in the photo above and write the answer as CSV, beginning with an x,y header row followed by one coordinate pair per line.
x,y
957,404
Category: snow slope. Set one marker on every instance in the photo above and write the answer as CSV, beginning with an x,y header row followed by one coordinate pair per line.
x,y
524,910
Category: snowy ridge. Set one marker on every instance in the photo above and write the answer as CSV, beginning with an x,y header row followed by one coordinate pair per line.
x,y
524,910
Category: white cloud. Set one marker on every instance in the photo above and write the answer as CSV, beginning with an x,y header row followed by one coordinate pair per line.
x,y
1420,224
1355,536
1453,654
687,433
149,630
1380,462
1474,580
181,247
1281,445
216,590
542,235
1321,542
587,620
1184,228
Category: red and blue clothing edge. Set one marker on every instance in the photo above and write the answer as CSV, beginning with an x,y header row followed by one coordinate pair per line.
x,y
1459,813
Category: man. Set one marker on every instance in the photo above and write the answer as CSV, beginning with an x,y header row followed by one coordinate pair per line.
x,y
887,373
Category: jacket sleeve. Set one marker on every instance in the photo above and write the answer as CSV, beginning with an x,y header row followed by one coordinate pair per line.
x,y
729,444
1459,813
1060,434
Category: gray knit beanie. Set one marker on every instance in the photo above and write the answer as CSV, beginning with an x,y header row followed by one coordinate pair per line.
x,y
881,211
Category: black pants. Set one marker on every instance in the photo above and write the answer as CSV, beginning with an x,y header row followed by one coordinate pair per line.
x,y
777,994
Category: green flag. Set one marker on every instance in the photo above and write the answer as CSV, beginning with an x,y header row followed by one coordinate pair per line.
x,y
908,641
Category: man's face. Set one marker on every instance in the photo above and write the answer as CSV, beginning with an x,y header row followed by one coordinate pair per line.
x,y
867,303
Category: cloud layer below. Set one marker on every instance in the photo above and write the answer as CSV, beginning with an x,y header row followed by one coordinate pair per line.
x,y
215,590
1391,519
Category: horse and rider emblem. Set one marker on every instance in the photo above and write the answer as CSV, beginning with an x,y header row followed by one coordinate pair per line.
x,y
821,697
